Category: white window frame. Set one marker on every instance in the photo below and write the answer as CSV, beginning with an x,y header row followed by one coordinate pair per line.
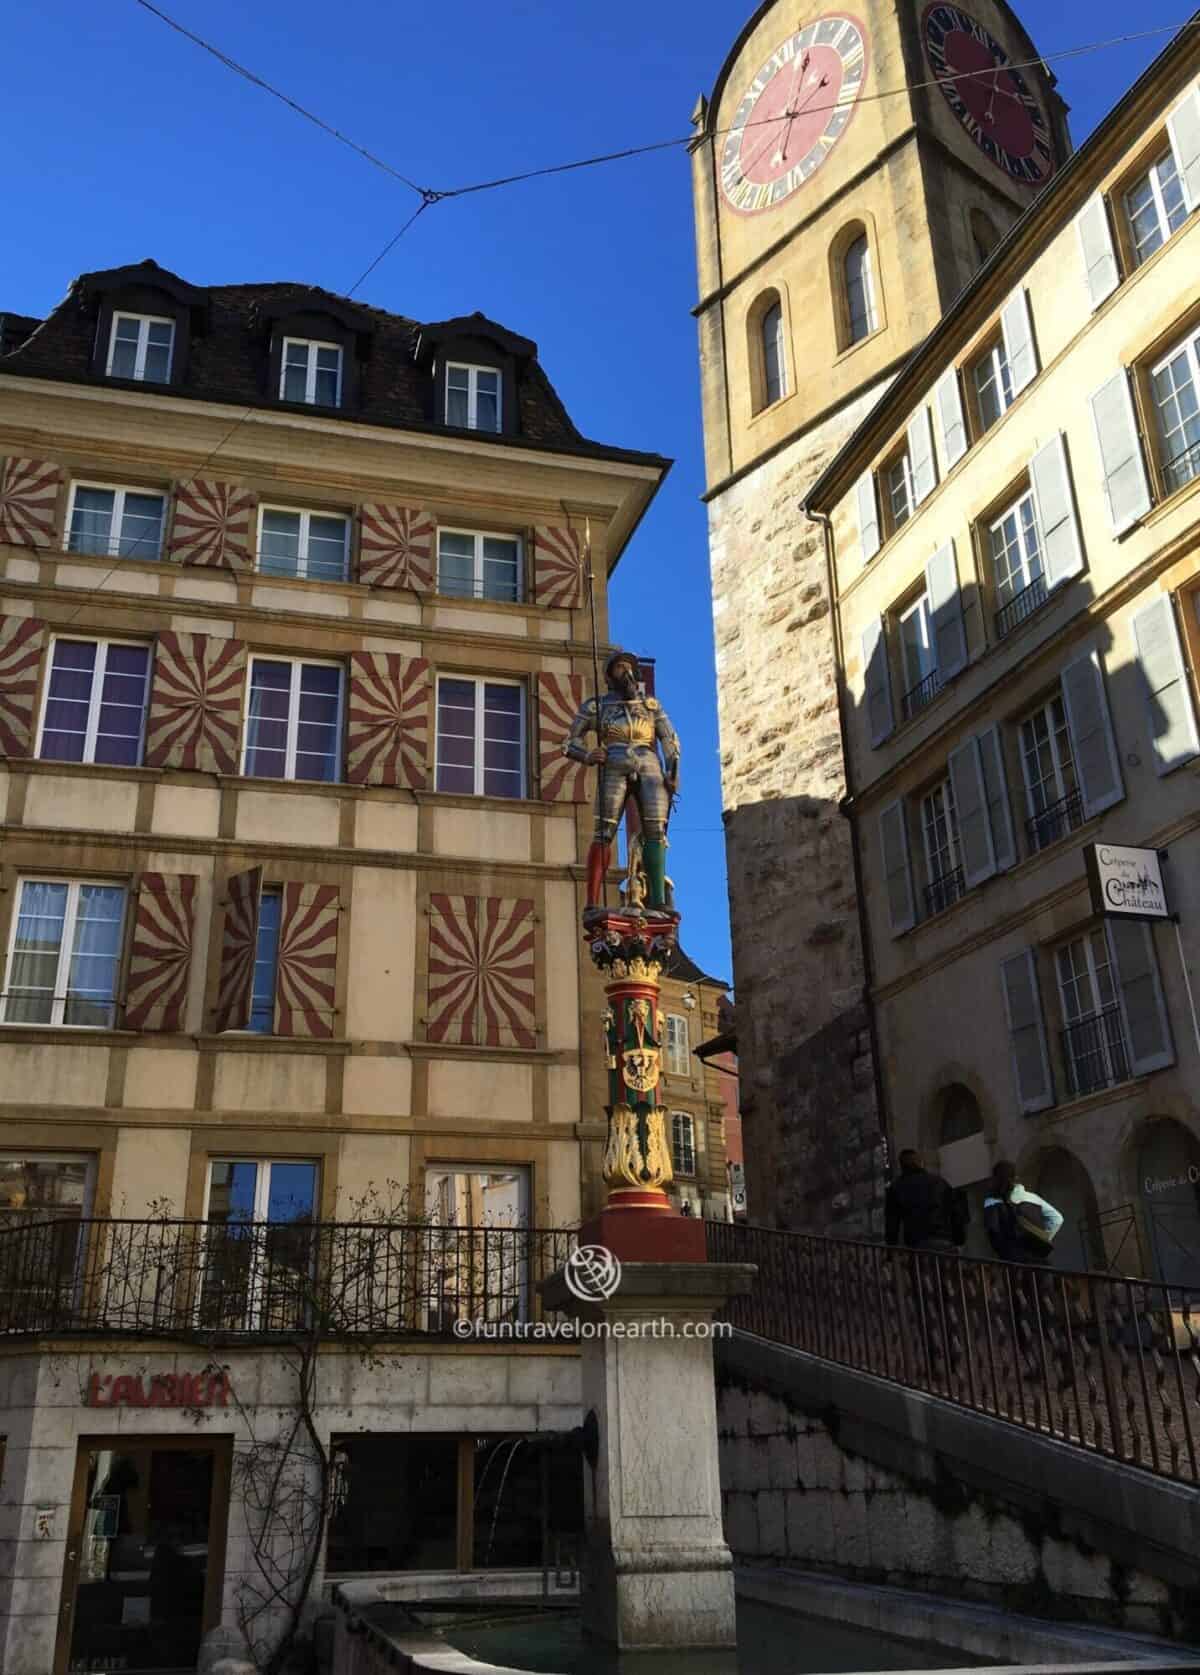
x,y
995,526
477,537
293,717
774,343
943,793
473,372
920,606
312,345
1102,1048
1190,346
145,321
869,317
998,365
480,683
898,477
58,1001
1063,789
95,698
1165,230
306,515
118,492
677,1167
678,1062
275,892
262,1187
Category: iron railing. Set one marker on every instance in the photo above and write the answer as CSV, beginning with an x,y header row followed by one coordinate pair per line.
x,y
944,891
1095,1052
1054,822
924,692
1099,1361
1020,607
259,1279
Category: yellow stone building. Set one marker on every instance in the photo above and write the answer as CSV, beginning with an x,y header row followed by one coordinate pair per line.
x,y
846,187
1013,546
295,612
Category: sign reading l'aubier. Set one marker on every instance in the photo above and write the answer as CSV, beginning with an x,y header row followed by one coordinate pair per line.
x,y
1126,883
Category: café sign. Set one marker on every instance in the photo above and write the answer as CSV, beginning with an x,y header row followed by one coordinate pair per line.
x,y
1126,883
190,1390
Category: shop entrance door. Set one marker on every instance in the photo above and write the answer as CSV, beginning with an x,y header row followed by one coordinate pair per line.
x,y
145,1555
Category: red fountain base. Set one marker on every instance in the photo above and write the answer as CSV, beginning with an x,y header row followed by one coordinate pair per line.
x,y
647,1235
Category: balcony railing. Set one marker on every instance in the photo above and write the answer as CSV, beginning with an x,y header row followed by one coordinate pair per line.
x,y
1182,467
1054,822
1095,1052
260,1279
924,692
944,891
1020,607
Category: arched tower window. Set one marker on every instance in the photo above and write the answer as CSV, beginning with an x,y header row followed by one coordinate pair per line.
x,y
768,350
861,313
984,236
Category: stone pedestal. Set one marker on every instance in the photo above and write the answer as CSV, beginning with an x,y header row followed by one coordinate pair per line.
x,y
657,1572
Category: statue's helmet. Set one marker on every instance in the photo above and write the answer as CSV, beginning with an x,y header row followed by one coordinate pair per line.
x,y
623,657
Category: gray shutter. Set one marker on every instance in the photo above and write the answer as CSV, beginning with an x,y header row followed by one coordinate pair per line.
x,y
995,780
946,612
1017,329
970,801
1147,1028
868,516
877,682
1165,684
952,424
893,841
920,455
1050,475
1126,486
1027,1031
1099,255
1183,126
1097,766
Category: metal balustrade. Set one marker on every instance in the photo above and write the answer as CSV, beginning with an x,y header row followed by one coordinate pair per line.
x,y
1098,1361
259,1279
943,891
1095,1052
1020,607
924,692
1054,822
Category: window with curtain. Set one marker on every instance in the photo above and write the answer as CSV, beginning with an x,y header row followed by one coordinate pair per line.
x,y
115,522
66,952
294,720
774,355
480,737
861,312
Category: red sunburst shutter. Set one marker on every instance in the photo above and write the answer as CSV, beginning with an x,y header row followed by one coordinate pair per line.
x,y
305,980
387,720
560,780
22,639
481,971
212,525
239,942
558,577
160,958
195,716
396,547
28,501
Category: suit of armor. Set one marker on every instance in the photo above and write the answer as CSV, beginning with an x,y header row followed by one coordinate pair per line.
x,y
630,732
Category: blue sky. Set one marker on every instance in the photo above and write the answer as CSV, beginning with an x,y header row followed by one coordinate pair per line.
x,y
122,140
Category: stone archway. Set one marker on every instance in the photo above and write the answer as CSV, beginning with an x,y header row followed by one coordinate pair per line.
x,y
963,1156
1059,1177
1168,1184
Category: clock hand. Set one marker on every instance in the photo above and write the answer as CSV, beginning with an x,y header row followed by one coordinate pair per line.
x,y
990,114
791,115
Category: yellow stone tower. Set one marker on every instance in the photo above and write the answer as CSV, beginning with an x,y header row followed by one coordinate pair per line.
x,y
852,170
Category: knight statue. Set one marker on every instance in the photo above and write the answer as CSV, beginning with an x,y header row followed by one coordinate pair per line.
x,y
631,731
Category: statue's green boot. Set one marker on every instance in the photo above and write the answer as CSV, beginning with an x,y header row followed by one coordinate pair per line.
x,y
654,859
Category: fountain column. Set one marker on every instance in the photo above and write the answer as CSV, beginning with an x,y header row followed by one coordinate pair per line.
x,y
657,1571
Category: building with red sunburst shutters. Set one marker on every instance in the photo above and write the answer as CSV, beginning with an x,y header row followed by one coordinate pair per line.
x,y
299,1032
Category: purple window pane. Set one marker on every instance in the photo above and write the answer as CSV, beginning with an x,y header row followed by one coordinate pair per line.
x,y
458,752
460,780
127,660
265,763
316,765
61,746
497,754
458,693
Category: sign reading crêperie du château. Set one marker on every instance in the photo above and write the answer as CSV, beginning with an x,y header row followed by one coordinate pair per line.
x,y
1126,883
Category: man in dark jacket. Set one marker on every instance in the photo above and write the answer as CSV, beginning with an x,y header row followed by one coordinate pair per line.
x,y
921,1206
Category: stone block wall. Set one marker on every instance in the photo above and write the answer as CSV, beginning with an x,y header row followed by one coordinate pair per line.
x,y
812,1131
793,1494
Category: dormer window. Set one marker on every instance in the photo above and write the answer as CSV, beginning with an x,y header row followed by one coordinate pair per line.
x,y
311,372
473,397
140,348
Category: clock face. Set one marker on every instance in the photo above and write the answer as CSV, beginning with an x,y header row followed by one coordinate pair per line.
x,y
988,95
793,113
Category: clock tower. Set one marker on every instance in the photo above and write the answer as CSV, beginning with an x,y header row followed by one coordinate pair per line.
x,y
852,169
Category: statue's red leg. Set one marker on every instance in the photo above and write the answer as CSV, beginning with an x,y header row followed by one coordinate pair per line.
x,y
598,858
